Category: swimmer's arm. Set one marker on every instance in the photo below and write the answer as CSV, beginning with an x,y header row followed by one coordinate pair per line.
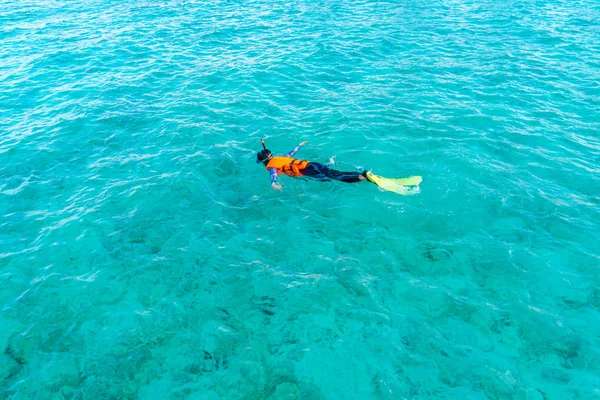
x,y
273,173
291,153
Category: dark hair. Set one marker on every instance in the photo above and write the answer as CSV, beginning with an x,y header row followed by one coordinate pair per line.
x,y
263,155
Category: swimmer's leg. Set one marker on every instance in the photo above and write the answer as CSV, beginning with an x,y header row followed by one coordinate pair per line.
x,y
326,172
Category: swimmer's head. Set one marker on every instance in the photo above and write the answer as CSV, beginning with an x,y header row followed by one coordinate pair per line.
x,y
265,154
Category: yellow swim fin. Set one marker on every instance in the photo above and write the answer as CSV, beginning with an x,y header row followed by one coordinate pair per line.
x,y
400,186
410,181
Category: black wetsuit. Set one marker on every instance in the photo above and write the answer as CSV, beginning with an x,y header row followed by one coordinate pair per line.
x,y
324,173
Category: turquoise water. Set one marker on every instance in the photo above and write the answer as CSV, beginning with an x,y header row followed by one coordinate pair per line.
x,y
144,255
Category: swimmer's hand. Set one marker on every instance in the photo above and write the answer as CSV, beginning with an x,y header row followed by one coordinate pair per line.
x,y
304,143
276,186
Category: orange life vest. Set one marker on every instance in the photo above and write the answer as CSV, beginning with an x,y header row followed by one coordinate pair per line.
x,y
287,165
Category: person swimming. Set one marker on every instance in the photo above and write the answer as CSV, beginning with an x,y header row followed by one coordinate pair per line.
x,y
286,165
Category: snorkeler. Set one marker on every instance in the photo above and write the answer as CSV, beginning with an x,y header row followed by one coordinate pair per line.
x,y
289,166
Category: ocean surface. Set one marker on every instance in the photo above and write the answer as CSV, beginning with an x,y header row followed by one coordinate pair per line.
x,y
143,254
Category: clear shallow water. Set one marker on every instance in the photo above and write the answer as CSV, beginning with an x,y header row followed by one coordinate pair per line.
x,y
143,254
